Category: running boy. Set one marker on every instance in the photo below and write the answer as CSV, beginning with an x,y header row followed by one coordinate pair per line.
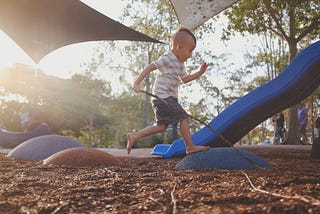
x,y
171,71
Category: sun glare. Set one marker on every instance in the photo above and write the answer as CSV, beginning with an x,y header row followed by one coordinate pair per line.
x,y
65,61
11,53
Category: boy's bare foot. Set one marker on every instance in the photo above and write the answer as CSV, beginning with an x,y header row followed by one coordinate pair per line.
x,y
130,141
195,149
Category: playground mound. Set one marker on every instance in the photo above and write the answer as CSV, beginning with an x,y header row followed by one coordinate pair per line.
x,y
39,148
154,185
222,158
82,157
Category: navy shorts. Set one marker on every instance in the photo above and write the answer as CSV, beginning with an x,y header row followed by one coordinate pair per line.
x,y
168,111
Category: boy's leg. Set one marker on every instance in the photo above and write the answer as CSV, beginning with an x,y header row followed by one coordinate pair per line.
x,y
185,132
134,136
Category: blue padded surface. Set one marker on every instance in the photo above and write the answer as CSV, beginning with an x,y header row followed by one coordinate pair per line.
x,y
222,158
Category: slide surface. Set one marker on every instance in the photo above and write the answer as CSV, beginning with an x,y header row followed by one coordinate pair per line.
x,y
293,85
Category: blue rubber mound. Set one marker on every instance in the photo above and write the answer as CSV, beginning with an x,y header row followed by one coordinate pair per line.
x,y
10,139
39,148
222,158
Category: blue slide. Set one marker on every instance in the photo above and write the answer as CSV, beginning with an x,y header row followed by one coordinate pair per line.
x,y
293,85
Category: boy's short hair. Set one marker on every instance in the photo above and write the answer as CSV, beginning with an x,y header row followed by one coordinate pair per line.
x,y
179,35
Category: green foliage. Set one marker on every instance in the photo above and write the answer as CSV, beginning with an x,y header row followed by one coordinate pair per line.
x,y
256,82
286,18
66,104
125,116
9,117
154,18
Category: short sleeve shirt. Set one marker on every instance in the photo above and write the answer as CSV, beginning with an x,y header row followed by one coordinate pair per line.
x,y
170,73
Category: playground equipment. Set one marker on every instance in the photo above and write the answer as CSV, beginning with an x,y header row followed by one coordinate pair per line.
x,y
10,139
293,85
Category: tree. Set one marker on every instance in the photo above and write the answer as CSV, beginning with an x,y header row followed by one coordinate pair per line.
x,y
71,104
125,115
294,21
92,97
156,19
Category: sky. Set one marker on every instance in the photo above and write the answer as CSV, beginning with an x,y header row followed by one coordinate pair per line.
x,y
67,60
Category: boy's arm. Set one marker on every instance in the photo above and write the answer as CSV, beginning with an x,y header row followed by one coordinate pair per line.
x,y
142,75
193,76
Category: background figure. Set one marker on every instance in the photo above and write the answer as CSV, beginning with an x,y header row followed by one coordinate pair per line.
x,y
24,118
278,119
30,121
303,122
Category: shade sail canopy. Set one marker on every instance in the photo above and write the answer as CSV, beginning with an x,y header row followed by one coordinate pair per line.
x,y
42,26
193,13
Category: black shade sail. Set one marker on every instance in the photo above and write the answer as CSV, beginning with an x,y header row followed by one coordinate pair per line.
x,y
42,26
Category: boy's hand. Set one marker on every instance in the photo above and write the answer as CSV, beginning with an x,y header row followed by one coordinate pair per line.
x,y
136,87
203,67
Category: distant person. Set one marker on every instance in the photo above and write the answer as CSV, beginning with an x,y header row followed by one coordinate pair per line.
x,y
30,121
24,118
303,122
171,71
278,119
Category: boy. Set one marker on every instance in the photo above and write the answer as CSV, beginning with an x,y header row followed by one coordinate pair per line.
x,y
171,71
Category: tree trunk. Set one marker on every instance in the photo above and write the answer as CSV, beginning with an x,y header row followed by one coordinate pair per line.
x,y
90,130
293,126
315,149
146,108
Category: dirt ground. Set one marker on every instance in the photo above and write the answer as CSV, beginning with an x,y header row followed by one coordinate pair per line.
x,y
153,185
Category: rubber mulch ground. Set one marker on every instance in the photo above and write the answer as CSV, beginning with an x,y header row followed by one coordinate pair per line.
x,y
153,185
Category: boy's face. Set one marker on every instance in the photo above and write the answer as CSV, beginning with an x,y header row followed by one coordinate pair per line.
x,y
185,49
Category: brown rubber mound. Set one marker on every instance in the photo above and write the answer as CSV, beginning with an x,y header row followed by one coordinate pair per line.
x,y
81,157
